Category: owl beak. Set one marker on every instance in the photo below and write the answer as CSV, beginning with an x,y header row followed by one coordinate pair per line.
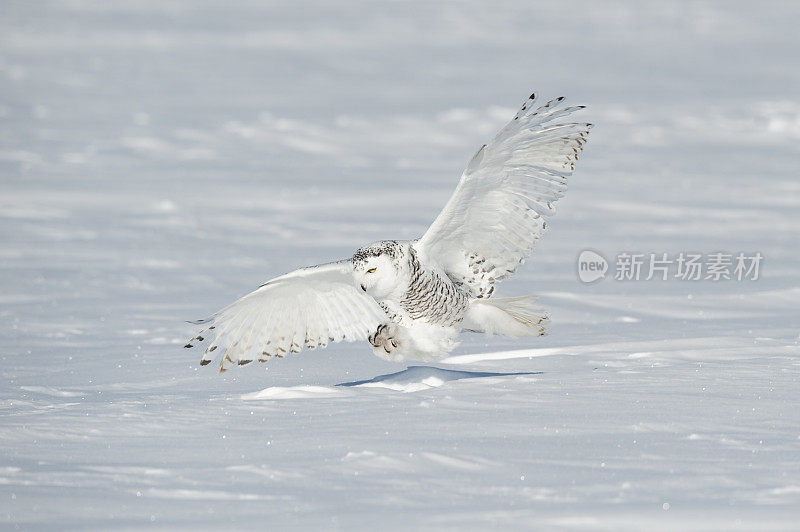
x,y
364,288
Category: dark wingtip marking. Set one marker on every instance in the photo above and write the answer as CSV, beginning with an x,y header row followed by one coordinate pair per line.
x,y
243,362
560,98
532,96
205,362
187,346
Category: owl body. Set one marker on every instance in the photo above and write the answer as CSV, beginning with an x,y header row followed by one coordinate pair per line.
x,y
425,311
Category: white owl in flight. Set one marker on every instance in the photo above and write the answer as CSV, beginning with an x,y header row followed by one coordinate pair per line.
x,y
411,299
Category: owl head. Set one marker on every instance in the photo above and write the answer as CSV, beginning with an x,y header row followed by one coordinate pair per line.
x,y
378,268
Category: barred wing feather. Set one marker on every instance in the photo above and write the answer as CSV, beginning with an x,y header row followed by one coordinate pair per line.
x,y
308,307
496,214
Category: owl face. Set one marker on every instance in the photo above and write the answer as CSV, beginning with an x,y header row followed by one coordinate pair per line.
x,y
375,269
377,276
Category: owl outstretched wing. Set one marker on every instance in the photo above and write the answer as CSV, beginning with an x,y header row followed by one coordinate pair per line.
x,y
496,214
308,307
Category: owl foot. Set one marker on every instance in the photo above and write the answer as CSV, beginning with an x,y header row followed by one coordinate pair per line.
x,y
385,337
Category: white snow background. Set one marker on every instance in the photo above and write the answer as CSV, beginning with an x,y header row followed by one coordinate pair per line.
x,y
160,159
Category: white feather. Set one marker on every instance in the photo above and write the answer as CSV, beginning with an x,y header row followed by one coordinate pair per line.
x,y
494,216
305,307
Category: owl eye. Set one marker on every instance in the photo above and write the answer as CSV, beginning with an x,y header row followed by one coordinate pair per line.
x,y
371,270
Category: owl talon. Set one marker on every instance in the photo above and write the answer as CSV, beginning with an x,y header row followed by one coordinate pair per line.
x,y
384,337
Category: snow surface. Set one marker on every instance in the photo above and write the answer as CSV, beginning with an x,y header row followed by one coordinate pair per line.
x,y
159,159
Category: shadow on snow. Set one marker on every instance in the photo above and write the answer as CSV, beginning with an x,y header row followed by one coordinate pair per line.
x,y
428,375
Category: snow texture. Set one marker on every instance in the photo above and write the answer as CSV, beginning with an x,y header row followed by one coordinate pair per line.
x,y
160,159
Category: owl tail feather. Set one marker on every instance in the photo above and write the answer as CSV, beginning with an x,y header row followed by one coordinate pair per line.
x,y
508,316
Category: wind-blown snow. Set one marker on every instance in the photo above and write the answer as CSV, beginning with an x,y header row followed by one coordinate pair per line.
x,y
160,159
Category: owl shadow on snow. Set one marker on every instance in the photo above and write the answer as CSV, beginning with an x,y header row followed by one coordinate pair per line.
x,y
429,375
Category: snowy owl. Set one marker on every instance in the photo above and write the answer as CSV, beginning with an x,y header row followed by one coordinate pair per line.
x,y
411,299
